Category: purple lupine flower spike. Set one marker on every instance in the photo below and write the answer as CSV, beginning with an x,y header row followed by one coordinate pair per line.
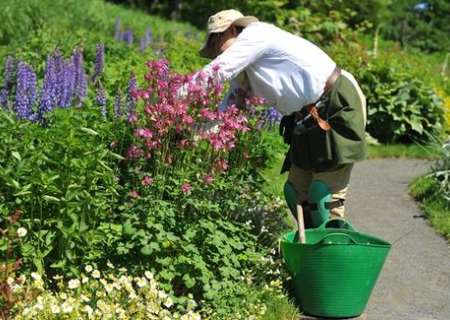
x,y
31,87
147,38
80,87
8,83
141,45
64,86
101,100
117,30
128,37
21,99
57,61
99,61
48,97
130,99
118,104
71,72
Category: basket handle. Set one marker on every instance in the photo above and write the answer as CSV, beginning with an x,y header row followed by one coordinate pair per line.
x,y
343,224
338,238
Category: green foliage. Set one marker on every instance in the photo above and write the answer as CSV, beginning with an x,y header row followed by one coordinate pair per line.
x,y
59,177
401,107
408,109
427,28
427,190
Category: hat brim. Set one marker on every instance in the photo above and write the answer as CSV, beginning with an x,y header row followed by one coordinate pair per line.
x,y
207,52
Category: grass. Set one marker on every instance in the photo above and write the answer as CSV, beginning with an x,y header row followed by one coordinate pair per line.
x,y
427,192
278,307
404,151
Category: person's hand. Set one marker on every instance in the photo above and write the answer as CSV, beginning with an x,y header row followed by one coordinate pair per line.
x,y
286,127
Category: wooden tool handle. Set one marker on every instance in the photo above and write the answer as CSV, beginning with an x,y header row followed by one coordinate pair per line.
x,y
301,223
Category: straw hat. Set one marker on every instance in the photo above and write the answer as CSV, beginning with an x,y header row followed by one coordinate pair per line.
x,y
219,23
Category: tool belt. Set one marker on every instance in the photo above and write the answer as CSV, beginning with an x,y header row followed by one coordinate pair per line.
x,y
301,121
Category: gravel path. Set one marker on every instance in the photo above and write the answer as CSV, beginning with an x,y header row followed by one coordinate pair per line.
x,y
415,281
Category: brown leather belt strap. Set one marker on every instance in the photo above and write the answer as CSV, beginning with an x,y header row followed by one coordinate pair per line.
x,y
311,108
331,80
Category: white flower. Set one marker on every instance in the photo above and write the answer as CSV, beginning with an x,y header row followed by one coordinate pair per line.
x,y
84,279
36,276
26,311
110,265
148,275
9,281
88,268
96,274
21,232
74,283
55,309
57,277
101,305
162,294
109,288
88,309
39,305
141,282
120,310
67,307
132,295
169,302
191,304
84,298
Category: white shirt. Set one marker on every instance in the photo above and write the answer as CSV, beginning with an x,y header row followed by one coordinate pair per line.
x,y
288,71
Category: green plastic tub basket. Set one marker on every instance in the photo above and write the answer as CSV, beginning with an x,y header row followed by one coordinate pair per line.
x,y
335,271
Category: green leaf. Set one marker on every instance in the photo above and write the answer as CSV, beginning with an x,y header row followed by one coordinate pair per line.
x,y
51,199
117,156
89,131
146,250
104,165
188,281
16,155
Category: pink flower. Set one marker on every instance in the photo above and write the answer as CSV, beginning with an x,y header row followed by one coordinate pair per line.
x,y
133,152
245,154
183,143
222,164
134,194
113,144
186,187
208,179
116,179
147,181
132,118
208,114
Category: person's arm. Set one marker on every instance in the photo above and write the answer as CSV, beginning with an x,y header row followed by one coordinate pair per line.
x,y
248,47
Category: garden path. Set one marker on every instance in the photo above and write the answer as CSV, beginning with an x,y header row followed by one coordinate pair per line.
x,y
415,281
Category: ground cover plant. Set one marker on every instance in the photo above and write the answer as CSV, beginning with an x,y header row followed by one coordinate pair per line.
x,y
433,192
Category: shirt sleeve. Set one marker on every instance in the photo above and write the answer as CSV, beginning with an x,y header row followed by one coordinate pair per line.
x,y
247,48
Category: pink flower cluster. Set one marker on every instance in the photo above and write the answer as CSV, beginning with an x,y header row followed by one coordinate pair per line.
x,y
177,123
168,114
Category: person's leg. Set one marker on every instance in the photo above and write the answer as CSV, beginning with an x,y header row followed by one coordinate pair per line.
x,y
300,179
337,180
